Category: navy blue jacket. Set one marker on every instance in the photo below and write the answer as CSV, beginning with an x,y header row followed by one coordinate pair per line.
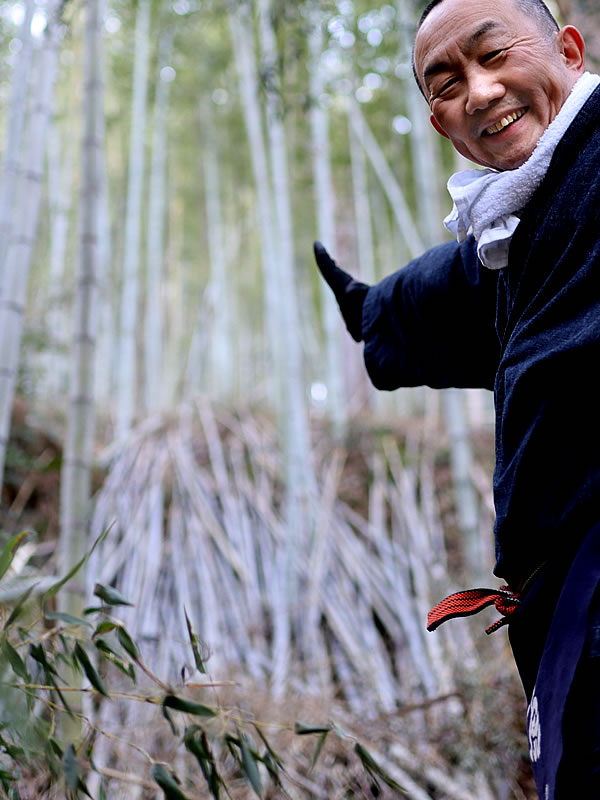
x,y
530,332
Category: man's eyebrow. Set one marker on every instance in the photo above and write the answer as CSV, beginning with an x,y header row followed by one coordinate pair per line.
x,y
443,66
484,29
434,69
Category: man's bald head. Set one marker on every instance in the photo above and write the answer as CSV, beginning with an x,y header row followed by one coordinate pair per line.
x,y
534,8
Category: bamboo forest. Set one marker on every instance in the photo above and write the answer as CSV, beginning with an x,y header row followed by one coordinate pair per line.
x,y
218,542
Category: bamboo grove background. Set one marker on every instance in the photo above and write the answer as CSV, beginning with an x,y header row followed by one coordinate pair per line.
x,y
171,368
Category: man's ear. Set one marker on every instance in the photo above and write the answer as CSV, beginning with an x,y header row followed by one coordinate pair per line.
x,y
572,48
438,127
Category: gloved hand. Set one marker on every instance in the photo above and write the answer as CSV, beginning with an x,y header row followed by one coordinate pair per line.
x,y
349,293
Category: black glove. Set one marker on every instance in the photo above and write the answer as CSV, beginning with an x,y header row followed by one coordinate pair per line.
x,y
350,294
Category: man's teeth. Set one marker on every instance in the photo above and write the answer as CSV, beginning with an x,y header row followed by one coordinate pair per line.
x,y
505,122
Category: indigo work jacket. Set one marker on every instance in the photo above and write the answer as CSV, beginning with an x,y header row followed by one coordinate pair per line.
x,y
530,332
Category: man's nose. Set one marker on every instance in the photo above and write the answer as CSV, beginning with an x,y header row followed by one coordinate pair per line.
x,y
484,87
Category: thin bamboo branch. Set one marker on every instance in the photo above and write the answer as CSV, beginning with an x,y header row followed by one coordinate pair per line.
x,y
389,182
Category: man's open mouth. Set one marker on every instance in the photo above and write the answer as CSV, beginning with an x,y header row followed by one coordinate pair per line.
x,y
504,122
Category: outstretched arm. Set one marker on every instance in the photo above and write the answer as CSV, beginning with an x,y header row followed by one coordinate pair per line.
x,y
431,323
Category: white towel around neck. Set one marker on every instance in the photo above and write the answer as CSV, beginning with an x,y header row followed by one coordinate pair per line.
x,y
486,201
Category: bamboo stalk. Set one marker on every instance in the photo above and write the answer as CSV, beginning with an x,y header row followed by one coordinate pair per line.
x,y
15,261
15,123
222,293
246,67
153,320
325,205
127,382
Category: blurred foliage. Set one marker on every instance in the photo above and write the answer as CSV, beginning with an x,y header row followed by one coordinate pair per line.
x,y
39,646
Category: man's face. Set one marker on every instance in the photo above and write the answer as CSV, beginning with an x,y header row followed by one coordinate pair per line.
x,y
485,64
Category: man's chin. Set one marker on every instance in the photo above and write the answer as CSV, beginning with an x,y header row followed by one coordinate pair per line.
x,y
514,155
504,162
512,165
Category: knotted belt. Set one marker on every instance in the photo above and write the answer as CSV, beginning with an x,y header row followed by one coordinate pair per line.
x,y
471,601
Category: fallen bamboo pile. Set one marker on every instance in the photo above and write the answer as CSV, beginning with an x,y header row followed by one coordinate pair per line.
x,y
332,623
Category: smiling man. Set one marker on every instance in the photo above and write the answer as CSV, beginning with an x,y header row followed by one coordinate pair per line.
x,y
475,65
513,305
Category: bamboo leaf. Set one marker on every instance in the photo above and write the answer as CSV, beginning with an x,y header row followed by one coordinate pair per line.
x,y
105,648
303,729
318,749
196,741
71,768
74,570
92,610
104,627
167,783
276,758
111,656
16,662
127,643
49,594
63,699
374,769
249,765
91,674
69,619
9,551
231,740
110,595
188,706
16,612
56,747
83,788
170,720
272,766
195,642
14,751
38,654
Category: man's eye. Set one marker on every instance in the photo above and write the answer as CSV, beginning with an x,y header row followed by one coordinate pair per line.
x,y
447,85
491,55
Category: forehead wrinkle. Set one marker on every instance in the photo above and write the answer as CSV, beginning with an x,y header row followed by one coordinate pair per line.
x,y
441,66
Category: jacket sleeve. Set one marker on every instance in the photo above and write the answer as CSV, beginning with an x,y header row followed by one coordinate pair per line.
x,y
433,322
